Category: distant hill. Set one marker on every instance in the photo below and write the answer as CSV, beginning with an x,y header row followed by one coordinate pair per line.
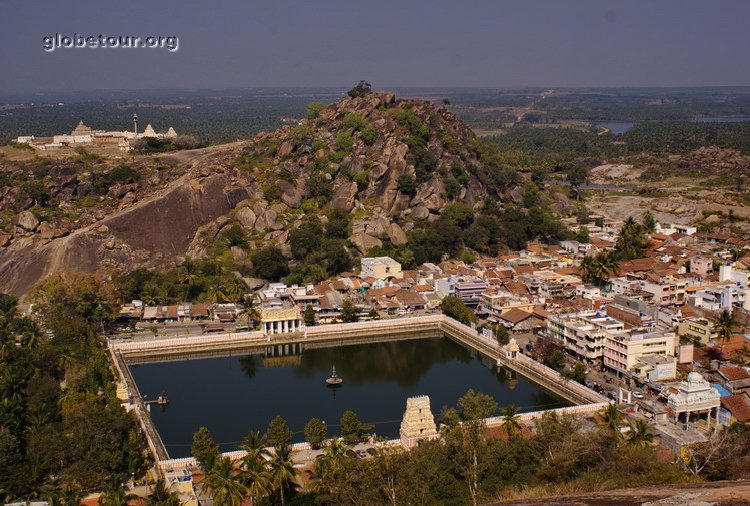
x,y
391,167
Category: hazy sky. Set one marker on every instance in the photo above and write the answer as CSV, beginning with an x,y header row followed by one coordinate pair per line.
x,y
488,43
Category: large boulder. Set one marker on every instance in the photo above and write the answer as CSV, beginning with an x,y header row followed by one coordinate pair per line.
x,y
246,217
377,226
397,235
291,195
26,220
343,197
364,242
420,213
46,230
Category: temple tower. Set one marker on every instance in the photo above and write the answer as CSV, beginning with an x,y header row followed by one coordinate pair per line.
x,y
418,423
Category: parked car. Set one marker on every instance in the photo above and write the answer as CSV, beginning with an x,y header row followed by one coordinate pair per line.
x,y
638,395
362,454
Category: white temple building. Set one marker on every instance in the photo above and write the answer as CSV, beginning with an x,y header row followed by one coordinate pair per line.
x,y
418,423
280,321
695,396
83,135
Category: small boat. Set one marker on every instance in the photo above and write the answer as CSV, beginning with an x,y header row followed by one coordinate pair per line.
x,y
334,381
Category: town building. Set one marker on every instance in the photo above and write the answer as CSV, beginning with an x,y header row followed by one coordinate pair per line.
x,y
470,291
623,350
697,329
380,268
583,333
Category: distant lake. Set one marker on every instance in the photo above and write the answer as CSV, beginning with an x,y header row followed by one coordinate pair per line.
x,y
234,395
620,127
721,120
616,127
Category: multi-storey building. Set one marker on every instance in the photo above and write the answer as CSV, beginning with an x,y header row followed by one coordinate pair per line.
x,y
584,333
469,291
623,350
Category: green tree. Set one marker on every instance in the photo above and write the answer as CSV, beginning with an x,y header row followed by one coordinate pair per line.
x,y
279,434
349,311
352,429
582,235
511,424
309,315
406,184
315,432
314,109
501,333
205,450
115,494
338,224
631,241
640,434
283,473
577,177
453,307
611,419
360,90
161,495
725,324
222,484
648,222
269,263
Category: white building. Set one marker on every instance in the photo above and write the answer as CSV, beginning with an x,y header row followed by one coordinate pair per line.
x,y
380,268
623,351
695,396
583,333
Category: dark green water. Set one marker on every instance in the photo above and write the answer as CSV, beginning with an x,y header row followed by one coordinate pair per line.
x,y
234,395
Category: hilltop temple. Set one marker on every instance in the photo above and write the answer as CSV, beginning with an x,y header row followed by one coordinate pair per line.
x,y
83,135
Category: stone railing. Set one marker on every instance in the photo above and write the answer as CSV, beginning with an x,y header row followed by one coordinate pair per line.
x,y
496,421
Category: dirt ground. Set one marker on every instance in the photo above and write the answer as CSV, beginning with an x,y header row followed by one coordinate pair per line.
x,y
729,493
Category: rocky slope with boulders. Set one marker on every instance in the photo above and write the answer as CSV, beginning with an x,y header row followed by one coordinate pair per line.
x,y
391,164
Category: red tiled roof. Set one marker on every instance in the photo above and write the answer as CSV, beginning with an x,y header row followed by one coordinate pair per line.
x,y
734,373
515,315
738,405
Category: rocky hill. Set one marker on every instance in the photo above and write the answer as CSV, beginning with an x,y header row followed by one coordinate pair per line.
x,y
390,165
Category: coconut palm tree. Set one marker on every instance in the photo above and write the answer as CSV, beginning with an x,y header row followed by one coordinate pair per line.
x,y
116,495
611,419
283,472
235,289
251,314
725,324
511,425
31,334
254,443
223,485
161,496
640,434
70,496
256,476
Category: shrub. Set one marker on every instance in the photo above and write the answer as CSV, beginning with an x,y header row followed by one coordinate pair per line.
x,y
344,142
314,109
272,192
360,90
354,121
406,184
369,135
